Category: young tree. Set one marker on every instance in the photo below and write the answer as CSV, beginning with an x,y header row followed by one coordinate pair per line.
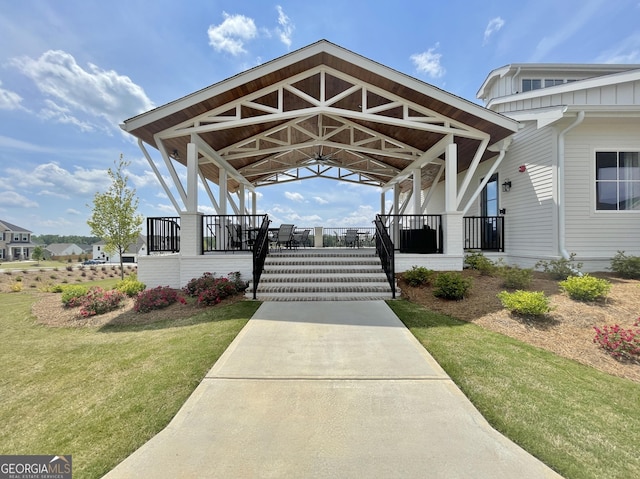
x,y
114,217
37,254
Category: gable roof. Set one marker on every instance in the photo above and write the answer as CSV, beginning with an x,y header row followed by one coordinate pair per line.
x,y
321,101
8,226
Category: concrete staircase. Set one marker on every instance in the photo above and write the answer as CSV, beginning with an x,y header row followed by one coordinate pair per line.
x,y
323,275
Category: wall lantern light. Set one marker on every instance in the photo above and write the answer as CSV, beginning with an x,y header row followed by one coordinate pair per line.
x,y
506,186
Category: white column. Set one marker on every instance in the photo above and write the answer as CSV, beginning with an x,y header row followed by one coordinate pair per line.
x,y
242,195
222,187
451,177
452,220
417,190
254,203
192,178
395,232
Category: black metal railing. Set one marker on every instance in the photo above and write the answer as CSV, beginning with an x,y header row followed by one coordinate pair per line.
x,y
415,233
385,251
260,250
484,233
343,237
230,232
163,235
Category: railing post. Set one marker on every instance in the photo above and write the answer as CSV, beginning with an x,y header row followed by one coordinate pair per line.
x,y
318,237
190,234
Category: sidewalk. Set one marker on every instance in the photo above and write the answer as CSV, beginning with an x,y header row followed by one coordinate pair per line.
x,y
328,390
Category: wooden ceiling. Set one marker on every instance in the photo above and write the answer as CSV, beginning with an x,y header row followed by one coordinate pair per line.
x,y
320,111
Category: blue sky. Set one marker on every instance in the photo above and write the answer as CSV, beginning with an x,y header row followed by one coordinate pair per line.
x,y
71,71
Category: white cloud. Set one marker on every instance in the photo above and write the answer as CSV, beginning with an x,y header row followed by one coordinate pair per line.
x,y
320,201
99,93
286,27
9,100
73,212
231,34
297,197
53,180
429,62
13,199
494,25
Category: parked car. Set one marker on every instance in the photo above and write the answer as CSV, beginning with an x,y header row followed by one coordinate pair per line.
x,y
92,261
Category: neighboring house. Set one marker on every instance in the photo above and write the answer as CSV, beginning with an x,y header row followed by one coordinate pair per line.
x,y
56,250
130,256
15,242
570,180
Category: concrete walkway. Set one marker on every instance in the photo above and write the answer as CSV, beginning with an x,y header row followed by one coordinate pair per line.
x,y
328,390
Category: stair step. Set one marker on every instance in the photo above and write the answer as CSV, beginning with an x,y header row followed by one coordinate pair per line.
x,y
322,278
333,270
325,297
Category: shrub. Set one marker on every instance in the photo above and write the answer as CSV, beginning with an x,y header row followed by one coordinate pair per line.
x,y
516,277
72,295
526,303
618,342
130,286
100,301
561,268
210,290
16,287
197,285
156,298
417,276
19,279
451,286
585,288
480,262
69,268
55,288
626,266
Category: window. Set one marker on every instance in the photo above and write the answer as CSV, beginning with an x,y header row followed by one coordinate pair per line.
x,y
2,253
617,180
528,84
548,83
16,237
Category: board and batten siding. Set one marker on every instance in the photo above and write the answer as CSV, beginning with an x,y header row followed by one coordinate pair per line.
x,y
620,94
590,233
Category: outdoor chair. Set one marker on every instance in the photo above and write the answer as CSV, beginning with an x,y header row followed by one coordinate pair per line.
x,y
284,236
301,238
235,236
351,238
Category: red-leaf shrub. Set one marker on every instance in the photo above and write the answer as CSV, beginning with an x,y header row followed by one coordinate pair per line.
x,y
619,342
210,290
156,298
100,301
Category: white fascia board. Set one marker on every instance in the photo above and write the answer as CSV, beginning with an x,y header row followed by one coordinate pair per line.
x,y
322,46
543,116
497,73
222,86
605,80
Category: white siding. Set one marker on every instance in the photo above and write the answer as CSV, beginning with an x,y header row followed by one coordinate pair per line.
x,y
176,271
531,213
590,233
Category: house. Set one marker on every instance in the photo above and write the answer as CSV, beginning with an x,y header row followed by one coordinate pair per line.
x,y
57,250
548,168
130,256
569,183
15,242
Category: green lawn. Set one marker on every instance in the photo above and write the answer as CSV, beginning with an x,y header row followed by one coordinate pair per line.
x,y
99,394
579,421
